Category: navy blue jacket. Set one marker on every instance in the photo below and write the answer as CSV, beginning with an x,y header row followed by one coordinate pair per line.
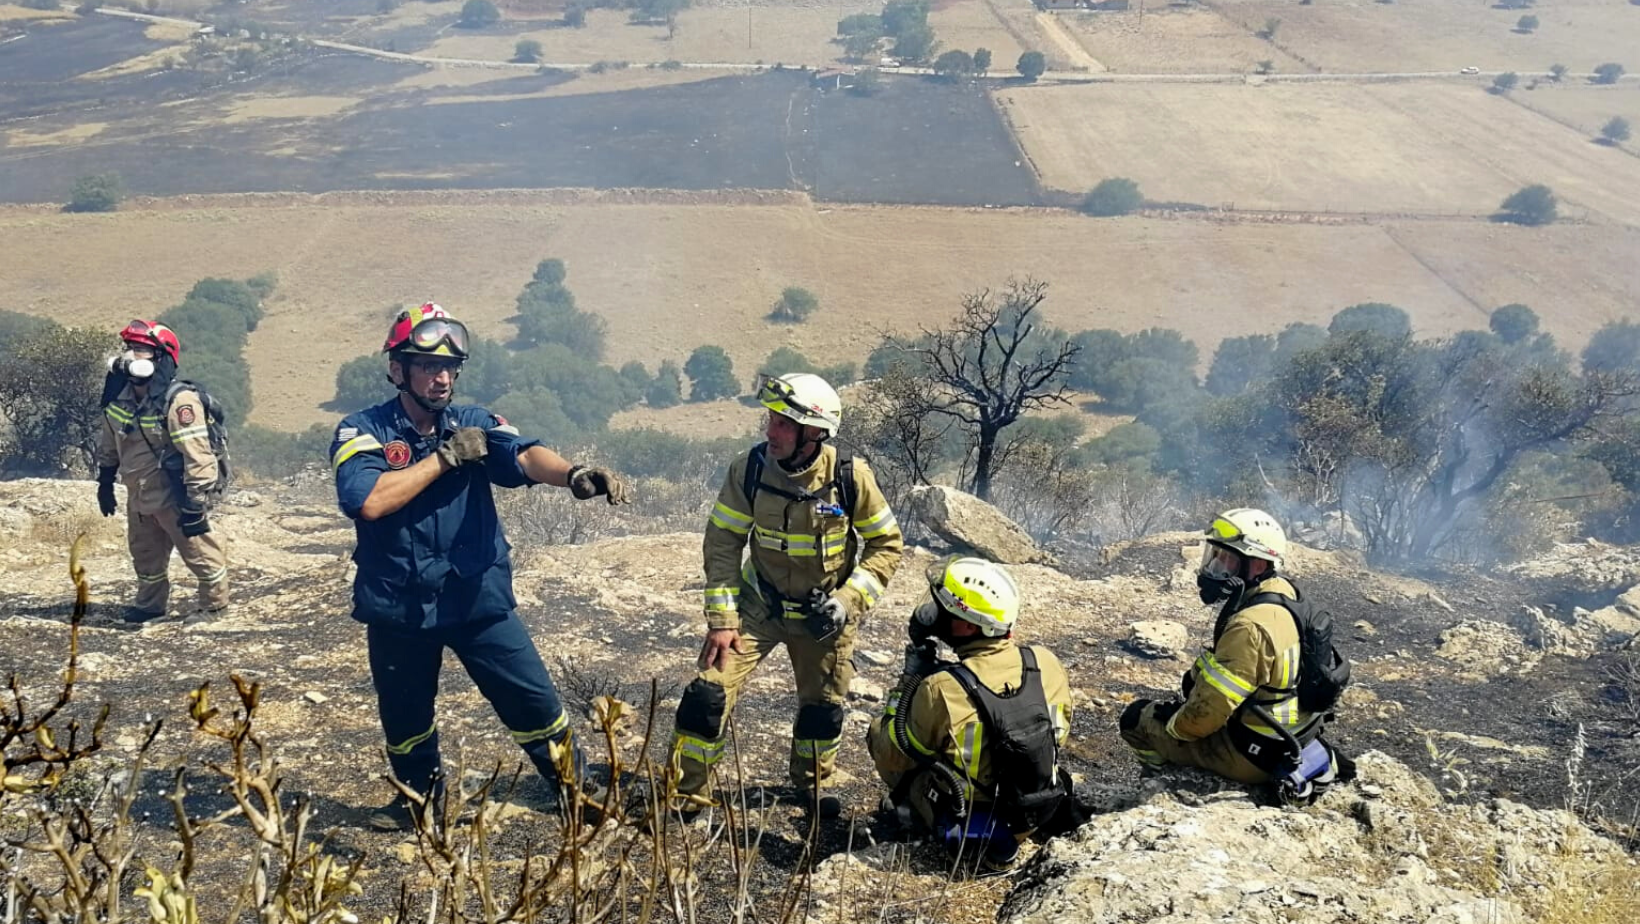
x,y
442,559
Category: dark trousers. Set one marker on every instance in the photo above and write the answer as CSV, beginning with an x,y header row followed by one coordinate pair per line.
x,y
503,662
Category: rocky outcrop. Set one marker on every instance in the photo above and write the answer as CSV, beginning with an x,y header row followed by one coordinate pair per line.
x,y
1385,849
970,524
1583,572
1157,638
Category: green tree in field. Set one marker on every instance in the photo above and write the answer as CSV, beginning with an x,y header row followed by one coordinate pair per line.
x,y
1265,66
1557,72
1116,195
1031,65
1615,131
794,306
15,327
665,11
1505,82
982,61
954,65
867,82
1529,205
1614,348
861,46
236,295
1526,24
869,24
550,272
1240,363
477,14
666,390
100,192
575,15
362,382
49,394
1268,33
915,44
1608,73
527,51
1513,323
901,16
711,374
1373,317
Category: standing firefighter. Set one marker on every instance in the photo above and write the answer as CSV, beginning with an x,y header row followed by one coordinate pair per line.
x,y
1255,703
156,437
970,750
822,545
434,569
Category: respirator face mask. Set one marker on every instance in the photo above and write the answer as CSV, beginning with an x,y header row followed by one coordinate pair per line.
x,y
132,366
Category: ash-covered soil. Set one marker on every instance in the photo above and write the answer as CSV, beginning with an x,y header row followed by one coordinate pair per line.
x,y
615,617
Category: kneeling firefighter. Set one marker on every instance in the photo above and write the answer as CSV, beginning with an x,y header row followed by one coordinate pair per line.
x,y
1256,702
970,749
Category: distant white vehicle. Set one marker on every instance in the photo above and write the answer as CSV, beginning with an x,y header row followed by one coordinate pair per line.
x,y
1470,70
889,62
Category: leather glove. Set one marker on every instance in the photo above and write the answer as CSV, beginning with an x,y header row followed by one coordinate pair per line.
x,y
468,444
193,523
589,481
105,490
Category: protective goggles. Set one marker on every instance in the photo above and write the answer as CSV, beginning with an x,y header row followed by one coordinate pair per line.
x,y
433,333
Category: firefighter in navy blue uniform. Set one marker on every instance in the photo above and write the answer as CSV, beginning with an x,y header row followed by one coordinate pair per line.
x,y
434,567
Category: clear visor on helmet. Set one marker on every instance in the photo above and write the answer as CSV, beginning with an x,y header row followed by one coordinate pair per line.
x,y
1219,562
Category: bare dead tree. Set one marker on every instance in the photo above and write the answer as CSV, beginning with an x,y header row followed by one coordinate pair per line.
x,y
990,367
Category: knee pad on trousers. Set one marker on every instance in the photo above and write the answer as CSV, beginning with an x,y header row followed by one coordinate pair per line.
x,y
700,712
819,722
1131,715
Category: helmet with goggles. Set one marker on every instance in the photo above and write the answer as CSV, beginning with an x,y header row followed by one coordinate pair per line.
x,y
973,590
1247,532
153,335
427,331
805,398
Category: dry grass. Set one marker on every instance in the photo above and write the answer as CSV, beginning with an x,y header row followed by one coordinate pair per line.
x,y
1419,36
670,277
1170,41
1414,148
10,12
585,82
23,138
1579,104
253,108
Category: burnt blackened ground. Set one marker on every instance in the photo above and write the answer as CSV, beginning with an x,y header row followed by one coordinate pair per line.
x,y
917,141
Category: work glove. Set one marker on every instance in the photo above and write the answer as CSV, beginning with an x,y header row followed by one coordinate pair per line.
x,y
105,490
193,523
1161,712
468,444
1187,682
589,481
827,615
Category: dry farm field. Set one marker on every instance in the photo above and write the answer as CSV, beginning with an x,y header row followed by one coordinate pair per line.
x,y
1380,148
674,274
1192,40
1583,107
1357,36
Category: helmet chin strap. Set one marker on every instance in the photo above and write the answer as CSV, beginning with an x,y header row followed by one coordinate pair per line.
x,y
431,407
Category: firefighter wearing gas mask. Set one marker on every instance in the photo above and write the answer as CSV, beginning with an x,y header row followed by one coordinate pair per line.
x,y
155,439
1240,710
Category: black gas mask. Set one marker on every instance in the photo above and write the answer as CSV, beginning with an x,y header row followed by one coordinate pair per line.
x,y
1222,574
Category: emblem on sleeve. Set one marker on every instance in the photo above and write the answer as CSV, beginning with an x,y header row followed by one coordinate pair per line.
x,y
185,415
398,454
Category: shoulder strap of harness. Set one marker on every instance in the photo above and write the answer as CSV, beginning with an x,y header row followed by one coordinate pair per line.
x,y
983,696
842,479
